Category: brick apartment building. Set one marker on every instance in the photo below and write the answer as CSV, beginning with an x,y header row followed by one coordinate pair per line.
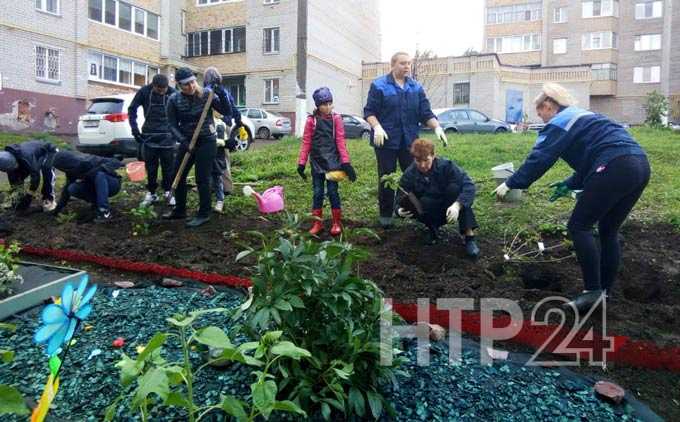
x,y
273,53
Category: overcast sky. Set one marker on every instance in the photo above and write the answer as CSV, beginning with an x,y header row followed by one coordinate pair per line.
x,y
448,27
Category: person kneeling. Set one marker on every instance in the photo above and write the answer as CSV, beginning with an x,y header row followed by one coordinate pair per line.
x,y
439,192
90,178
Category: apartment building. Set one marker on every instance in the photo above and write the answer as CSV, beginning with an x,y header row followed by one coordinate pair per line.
x,y
272,53
627,44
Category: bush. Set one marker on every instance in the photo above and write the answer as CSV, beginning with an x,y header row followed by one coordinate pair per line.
x,y
307,289
8,261
656,107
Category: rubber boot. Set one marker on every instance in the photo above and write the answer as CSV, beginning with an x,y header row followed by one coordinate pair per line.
x,y
317,226
336,228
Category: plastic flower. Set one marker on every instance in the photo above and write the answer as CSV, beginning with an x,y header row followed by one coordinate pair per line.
x,y
60,321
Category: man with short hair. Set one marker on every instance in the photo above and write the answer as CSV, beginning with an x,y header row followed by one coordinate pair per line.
x,y
157,145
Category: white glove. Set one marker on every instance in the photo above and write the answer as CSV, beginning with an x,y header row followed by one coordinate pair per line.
x,y
220,142
452,212
379,135
48,205
441,135
502,190
403,213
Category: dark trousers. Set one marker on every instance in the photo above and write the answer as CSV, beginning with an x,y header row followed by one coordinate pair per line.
x,y
607,199
97,191
318,183
387,163
434,212
203,157
153,157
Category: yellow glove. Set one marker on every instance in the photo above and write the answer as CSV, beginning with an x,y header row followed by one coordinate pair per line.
x,y
242,133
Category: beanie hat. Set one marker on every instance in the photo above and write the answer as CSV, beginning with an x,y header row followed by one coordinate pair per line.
x,y
322,95
212,76
184,75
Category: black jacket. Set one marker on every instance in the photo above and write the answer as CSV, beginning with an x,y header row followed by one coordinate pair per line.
x,y
184,111
33,157
445,179
155,115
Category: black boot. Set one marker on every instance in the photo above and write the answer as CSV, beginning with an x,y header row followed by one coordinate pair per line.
x,y
584,301
174,215
471,248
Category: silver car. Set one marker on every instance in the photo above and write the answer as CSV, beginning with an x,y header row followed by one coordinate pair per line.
x,y
267,124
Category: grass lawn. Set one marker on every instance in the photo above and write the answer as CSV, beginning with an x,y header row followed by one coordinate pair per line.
x,y
276,165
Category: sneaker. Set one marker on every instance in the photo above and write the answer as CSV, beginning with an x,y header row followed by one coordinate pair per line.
x,y
219,206
103,216
197,221
149,199
171,200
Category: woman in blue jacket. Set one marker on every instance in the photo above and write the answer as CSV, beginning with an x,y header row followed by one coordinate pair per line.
x,y
395,106
609,166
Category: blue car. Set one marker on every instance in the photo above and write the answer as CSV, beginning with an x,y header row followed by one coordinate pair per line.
x,y
466,120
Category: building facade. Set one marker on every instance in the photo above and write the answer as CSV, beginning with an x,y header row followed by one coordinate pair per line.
x,y
272,53
626,43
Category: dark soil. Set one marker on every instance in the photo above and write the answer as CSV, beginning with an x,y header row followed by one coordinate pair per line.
x,y
645,304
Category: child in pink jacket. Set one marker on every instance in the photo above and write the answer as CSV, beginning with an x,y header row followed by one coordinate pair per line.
x,y
323,142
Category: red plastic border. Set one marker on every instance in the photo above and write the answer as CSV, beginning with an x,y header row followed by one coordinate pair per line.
x,y
640,354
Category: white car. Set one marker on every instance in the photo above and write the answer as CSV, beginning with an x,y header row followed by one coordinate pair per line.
x,y
105,129
243,143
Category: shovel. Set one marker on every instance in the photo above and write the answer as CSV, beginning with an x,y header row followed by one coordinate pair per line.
x,y
192,145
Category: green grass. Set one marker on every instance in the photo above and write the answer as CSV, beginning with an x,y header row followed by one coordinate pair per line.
x,y
13,138
276,165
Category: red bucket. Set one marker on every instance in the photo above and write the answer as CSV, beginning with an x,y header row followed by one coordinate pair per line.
x,y
136,171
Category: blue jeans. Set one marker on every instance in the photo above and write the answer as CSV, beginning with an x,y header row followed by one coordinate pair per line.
x,y
97,191
318,183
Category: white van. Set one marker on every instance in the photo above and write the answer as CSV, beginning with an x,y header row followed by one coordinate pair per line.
x,y
105,129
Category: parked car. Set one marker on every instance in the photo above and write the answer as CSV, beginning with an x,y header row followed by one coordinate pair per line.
x,y
267,123
105,129
356,127
466,120
243,143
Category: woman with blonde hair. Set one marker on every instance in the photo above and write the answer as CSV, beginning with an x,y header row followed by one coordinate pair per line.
x,y
609,167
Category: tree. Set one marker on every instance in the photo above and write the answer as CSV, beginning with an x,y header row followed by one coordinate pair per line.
x,y
423,69
656,107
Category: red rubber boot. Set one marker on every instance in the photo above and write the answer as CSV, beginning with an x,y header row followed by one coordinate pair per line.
x,y
317,227
336,228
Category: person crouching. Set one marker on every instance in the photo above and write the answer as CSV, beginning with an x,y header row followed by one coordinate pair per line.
x,y
323,143
439,192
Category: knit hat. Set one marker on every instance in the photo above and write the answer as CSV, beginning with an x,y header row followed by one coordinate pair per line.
x,y
322,95
7,161
212,76
184,75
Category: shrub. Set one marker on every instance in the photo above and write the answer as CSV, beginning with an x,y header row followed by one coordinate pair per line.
x,y
656,107
142,217
8,261
308,290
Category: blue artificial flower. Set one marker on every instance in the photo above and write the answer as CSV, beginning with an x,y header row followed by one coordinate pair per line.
x,y
60,321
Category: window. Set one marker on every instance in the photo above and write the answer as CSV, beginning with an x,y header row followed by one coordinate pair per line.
x,y
516,13
648,9
47,63
271,90
49,6
204,43
239,40
152,26
460,115
139,21
560,15
271,1
238,92
216,41
648,42
476,116
597,8
212,2
599,40
128,72
110,12
461,93
125,71
95,10
125,16
254,113
514,44
559,46
271,40
604,72
647,75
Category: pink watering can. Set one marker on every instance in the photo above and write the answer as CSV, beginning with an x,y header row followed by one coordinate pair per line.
x,y
270,201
